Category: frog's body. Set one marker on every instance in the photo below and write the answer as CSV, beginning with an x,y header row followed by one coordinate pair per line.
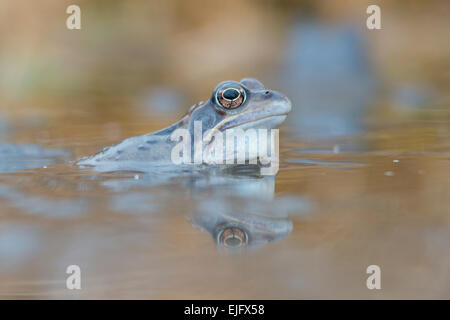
x,y
245,104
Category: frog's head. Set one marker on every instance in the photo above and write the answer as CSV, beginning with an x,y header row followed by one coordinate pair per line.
x,y
245,104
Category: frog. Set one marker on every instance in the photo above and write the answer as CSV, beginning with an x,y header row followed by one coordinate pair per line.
x,y
240,104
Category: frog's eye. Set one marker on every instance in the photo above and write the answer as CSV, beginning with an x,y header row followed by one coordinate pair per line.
x,y
230,97
232,237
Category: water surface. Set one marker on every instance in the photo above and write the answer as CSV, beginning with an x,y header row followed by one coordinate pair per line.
x,y
336,206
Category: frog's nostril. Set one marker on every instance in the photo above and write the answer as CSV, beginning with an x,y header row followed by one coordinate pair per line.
x,y
268,94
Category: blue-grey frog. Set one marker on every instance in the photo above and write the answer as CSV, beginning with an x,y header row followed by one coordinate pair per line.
x,y
245,104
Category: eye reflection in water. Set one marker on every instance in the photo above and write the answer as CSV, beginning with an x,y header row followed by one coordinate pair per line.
x,y
232,237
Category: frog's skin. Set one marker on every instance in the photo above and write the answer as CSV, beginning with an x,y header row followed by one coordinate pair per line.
x,y
262,108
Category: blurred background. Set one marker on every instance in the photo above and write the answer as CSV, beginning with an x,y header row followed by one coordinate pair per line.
x,y
149,60
367,144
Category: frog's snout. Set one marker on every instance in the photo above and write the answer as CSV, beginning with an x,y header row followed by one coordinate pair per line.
x,y
282,103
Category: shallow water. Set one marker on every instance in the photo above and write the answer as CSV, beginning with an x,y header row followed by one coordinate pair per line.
x,y
336,206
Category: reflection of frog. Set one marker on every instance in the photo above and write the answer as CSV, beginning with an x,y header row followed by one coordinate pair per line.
x,y
236,222
243,212
245,104
238,209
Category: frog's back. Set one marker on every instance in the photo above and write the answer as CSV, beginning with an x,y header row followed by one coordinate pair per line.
x,y
152,148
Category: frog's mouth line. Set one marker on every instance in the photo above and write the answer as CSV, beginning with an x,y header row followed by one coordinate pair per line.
x,y
282,117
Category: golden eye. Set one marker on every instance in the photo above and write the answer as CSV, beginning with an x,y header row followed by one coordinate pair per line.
x,y
232,237
230,97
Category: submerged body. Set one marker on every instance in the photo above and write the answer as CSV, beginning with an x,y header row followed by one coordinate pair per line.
x,y
245,104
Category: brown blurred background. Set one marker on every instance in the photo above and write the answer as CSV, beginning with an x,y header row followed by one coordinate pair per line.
x,y
135,66
126,48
